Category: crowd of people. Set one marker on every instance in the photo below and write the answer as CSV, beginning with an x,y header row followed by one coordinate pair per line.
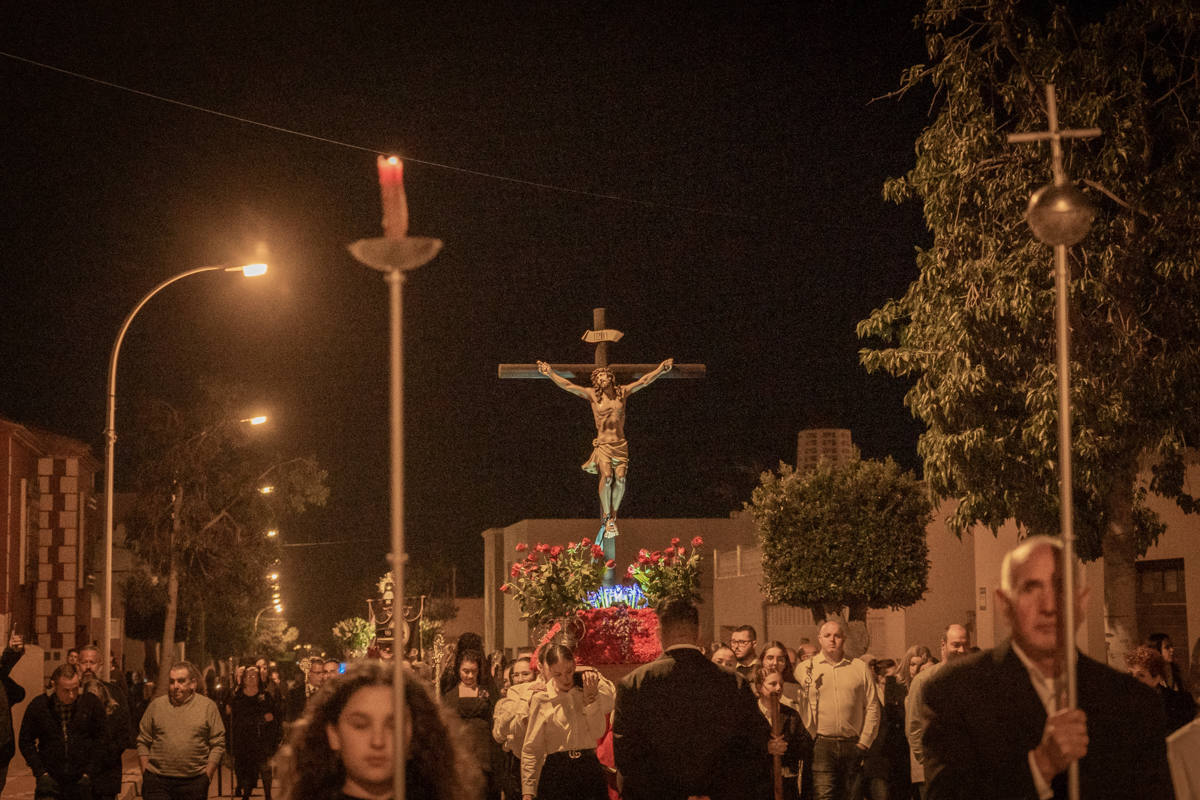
x,y
727,721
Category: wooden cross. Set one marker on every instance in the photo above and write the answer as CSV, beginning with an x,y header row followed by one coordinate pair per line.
x,y
1054,135
601,336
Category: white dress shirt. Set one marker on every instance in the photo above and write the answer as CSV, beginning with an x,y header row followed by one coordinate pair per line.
x,y
842,699
561,721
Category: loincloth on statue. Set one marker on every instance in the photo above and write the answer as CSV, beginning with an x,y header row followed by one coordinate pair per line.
x,y
615,453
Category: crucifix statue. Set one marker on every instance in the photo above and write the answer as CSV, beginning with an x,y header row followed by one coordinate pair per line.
x,y
609,457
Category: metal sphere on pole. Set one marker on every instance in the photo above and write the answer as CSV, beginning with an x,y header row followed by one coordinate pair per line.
x,y
394,254
110,442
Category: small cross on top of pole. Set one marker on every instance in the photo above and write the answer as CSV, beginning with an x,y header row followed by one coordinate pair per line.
x,y
1054,135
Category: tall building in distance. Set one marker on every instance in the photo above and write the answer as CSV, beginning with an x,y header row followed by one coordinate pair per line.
x,y
814,445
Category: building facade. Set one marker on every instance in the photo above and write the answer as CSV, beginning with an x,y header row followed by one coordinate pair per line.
x,y
964,573
814,445
52,519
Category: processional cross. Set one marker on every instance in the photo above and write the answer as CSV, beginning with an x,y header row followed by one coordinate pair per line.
x,y
1060,215
610,452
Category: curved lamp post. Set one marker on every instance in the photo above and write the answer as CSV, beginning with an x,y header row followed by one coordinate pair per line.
x,y
110,441
278,607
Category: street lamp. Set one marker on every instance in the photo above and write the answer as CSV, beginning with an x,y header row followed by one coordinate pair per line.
x,y
278,607
110,443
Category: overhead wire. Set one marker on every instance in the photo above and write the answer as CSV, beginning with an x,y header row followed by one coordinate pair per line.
x,y
338,143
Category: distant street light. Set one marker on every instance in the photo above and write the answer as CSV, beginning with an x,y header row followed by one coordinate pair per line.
x,y
259,420
278,607
110,443
271,534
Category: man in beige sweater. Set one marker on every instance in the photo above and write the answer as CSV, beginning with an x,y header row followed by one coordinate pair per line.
x,y
180,741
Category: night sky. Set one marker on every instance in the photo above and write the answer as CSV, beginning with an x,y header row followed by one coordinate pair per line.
x,y
712,177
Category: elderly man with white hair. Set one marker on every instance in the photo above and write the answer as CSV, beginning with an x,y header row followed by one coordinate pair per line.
x,y
997,723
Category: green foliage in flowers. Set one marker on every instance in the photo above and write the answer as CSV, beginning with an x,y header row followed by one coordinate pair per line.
x,y
670,573
850,535
551,581
355,634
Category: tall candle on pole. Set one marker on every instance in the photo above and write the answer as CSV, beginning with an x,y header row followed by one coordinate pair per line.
x,y
394,254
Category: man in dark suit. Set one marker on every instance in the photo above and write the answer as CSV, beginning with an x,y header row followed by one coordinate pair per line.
x,y
997,723
60,738
684,727
11,693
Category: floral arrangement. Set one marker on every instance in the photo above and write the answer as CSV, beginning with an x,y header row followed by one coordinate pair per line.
x,y
552,581
670,573
355,634
618,635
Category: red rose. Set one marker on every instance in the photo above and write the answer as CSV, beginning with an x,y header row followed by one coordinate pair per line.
x,y
531,557
584,542
504,588
516,570
656,556
610,564
643,552
644,559
629,571
674,540
670,551
681,551
697,542
522,547
597,551
556,551
543,548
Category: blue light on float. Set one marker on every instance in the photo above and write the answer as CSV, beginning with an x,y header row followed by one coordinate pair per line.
x,y
608,596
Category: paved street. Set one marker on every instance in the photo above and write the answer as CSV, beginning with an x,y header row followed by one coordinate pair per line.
x,y
21,783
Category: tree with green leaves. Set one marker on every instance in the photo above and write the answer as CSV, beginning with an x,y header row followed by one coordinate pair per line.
x,y
975,332
201,509
843,536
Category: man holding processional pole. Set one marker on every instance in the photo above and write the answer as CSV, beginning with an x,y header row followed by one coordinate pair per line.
x,y
1033,718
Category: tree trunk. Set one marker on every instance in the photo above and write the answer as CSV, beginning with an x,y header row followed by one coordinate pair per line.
x,y
198,634
858,639
150,662
1120,577
168,637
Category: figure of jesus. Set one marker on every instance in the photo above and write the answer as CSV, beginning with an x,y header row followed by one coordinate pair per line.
x,y
610,451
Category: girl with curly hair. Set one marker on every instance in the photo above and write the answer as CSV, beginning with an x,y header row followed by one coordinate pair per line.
x,y
342,748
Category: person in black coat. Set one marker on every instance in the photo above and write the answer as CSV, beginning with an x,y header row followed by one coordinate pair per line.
x,y
990,733
119,734
794,738
255,728
64,766
12,694
1149,667
683,726
117,738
